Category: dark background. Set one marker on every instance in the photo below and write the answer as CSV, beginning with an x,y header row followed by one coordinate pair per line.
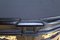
x,y
29,9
